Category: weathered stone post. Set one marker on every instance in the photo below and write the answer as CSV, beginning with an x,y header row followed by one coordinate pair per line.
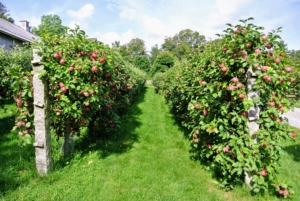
x,y
42,144
253,115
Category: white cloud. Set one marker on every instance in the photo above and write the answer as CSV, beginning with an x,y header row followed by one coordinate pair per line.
x,y
85,11
128,14
73,24
110,37
110,6
34,21
152,21
82,24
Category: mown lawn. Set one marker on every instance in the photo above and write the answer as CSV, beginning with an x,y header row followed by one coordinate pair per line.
x,y
297,104
147,158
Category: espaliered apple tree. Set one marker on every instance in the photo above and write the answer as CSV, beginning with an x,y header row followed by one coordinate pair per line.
x,y
88,84
210,98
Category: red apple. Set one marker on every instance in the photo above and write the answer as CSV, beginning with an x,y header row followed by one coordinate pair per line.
x,y
86,94
277,60
264,68
291,79
62,61
57,55
269,46
235,79
263,173
265,77
288,70
19,102
79,67
249,44
63,89
71,68
93,55
264,37
294,134
205,112
231,87
224,69
102,59
95,69
257,51
226,149
201,82
242,96
244,113
239,85
281,108
272,104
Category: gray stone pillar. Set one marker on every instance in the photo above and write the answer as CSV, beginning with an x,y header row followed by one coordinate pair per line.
x,y
42,144
253,115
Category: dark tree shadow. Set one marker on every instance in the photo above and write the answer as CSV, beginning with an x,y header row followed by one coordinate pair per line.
x,y
16,162
293,150
115,142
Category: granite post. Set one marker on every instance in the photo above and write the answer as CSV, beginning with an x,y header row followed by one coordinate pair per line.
x,y
42,144
253,115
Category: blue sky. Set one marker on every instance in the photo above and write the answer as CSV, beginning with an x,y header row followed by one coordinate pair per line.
x,y
152,21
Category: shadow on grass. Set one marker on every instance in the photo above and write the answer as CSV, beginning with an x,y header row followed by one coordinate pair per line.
x,y
16,163
115,142
293,150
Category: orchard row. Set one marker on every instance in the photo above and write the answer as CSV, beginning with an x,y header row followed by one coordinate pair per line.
x,y
209,95
89,85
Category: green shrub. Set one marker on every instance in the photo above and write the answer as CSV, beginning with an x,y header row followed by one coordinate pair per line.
x,y
163,62
15,61
142,62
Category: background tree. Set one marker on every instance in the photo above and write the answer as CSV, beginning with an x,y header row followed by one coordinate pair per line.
x,y
155,51
136,47
130,50
50,25
125,53
116,44
183,43
4,13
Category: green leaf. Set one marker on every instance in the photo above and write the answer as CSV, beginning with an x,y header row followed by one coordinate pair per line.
x,y
27,139
28,125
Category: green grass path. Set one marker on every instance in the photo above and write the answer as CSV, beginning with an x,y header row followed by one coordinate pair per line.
x,y
147,160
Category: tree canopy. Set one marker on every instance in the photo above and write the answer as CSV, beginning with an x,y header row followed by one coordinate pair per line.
x,y
183,43
50,25
155,51
4,13
135,47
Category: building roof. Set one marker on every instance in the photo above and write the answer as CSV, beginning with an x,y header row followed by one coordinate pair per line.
x,y
16,31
